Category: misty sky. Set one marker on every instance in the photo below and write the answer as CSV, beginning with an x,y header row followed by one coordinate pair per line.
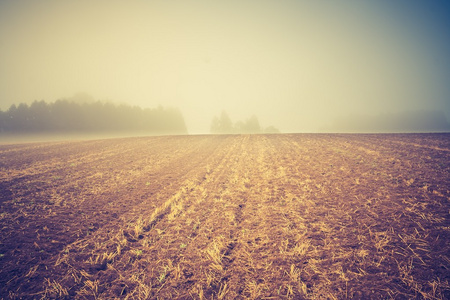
x,y
295,64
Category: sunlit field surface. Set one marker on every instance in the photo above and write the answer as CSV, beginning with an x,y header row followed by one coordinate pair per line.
x,y
301,216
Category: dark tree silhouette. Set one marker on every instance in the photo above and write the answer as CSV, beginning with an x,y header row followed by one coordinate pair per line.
x,y
69,116
252,125
224,125
40,115
271,129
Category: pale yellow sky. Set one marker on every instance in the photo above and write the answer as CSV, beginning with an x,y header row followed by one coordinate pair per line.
x,y
294,64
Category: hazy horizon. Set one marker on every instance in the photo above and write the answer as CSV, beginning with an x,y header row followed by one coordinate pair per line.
x,y
296,65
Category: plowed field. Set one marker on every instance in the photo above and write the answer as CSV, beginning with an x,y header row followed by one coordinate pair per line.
x,y
305,216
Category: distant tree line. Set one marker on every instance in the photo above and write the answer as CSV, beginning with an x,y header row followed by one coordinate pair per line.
x,y
96,116
407,121
224,125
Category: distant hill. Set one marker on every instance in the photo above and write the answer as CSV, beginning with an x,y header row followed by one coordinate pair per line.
x,y
66,116
412,121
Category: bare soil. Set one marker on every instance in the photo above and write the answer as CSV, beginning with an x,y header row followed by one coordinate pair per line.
x,y
301,216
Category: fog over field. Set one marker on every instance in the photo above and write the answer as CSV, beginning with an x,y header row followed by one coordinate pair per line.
x,y
301,66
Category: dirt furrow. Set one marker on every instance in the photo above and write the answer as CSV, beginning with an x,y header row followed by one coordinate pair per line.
x,y
91,210
177,240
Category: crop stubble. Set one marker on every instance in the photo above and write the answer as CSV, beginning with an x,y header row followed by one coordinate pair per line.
x,y
224,217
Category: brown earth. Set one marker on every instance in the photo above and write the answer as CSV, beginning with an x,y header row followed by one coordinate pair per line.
x,y
304,216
